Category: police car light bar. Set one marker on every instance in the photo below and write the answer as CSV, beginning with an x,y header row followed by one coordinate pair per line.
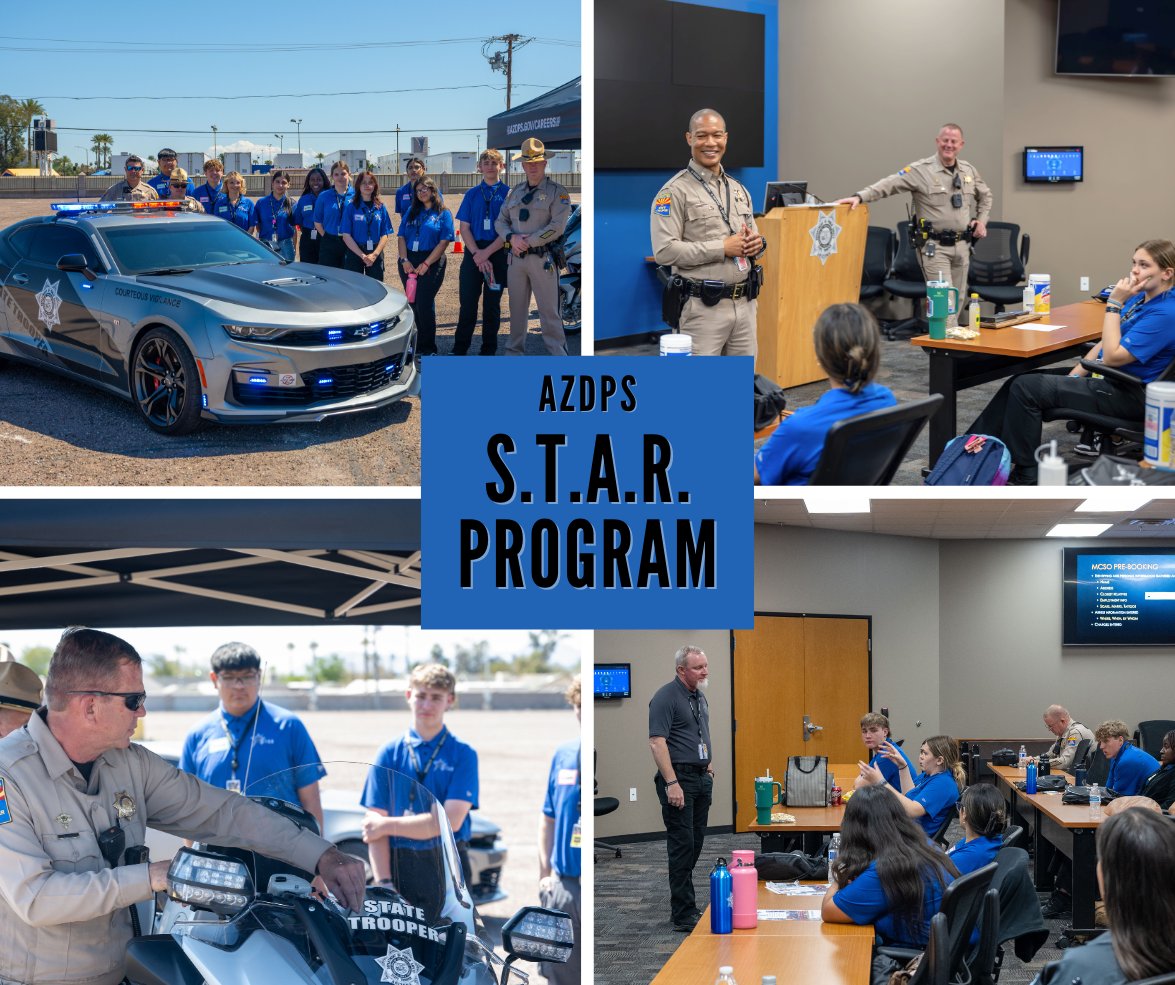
x,y
83,206
170,205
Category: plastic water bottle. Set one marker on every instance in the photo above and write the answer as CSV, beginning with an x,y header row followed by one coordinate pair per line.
x,y
1023,757
1030,778
833,849
1028,300
725,976
1095,801
973,313
721,899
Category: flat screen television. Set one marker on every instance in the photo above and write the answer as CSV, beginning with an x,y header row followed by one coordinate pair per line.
x,y
612,681
1115,37
1054,165
1123,597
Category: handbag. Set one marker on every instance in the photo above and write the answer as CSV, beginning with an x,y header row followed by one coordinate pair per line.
x,y
786,866
807,782
1046,784
1080,795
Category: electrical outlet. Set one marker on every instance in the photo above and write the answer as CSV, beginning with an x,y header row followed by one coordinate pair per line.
x,y
632,795
1085,283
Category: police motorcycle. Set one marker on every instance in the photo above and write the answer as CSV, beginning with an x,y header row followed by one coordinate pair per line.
x,y
569,259
237,917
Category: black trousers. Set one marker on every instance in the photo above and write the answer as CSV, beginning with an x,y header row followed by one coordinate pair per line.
x,y
352,262
424,308
331,250
307,248
472,288
1015,413
685,828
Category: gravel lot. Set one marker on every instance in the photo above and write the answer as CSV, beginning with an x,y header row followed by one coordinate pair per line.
x,y
56,432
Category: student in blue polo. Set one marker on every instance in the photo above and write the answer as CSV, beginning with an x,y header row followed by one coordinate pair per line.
x,y
167,159
366,228
414,169
274,221
213,185
983,815
328,215
232,203
242,744
425,235
1129,766
875,735
485,258
930,799
308,243
436,759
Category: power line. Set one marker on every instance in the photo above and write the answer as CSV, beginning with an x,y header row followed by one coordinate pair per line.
x,y
153,48
298,95
253,133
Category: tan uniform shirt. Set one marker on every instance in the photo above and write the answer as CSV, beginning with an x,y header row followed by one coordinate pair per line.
x,y
687,227
1064,750
932,186
121,191
63,911
547,212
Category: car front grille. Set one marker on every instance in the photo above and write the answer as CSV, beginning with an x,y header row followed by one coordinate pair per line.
x,y
333,335
319,386
488,881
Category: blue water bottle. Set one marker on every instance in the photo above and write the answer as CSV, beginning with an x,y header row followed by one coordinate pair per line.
x,y
1030,777
721,899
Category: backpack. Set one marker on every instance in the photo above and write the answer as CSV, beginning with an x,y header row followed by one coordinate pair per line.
x,y
769,401
988,464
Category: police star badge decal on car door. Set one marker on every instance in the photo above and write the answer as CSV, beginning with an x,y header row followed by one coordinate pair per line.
x,y
49,304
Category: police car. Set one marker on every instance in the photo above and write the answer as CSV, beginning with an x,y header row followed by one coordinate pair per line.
x,y
192,318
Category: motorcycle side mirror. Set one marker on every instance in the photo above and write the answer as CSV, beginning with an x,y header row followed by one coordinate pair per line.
x,y
209,881
535,933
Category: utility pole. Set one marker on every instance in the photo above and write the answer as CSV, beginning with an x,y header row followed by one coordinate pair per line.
x,y
503,61
214,154
298,123
397,146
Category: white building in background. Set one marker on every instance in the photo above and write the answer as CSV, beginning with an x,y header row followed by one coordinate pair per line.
x,y
288,161
356,159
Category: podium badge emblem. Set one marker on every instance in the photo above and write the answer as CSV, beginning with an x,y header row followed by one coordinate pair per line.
x,y
824,235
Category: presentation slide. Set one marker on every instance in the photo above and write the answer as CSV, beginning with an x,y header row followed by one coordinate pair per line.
x,y
1119,599
613,681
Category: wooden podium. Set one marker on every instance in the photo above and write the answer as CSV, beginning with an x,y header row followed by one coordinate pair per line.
x,y
797,286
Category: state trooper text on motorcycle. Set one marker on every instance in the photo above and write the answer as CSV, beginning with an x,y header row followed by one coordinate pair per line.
x,y
388,915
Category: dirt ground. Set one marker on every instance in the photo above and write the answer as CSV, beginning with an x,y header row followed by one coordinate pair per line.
x,y
57,432
514,750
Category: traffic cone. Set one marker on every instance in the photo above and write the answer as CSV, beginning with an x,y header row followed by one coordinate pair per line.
x,y
458,246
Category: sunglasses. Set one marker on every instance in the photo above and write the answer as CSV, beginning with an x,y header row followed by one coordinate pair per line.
x,y
179,184
524,214
134,167
134,700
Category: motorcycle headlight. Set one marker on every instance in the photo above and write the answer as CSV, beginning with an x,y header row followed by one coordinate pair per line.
x,y
246,333
535,933
210,882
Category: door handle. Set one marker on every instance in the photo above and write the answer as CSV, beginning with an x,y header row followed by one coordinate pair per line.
x,y
20,278
810,729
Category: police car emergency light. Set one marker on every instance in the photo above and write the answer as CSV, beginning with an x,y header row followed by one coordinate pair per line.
x,y
535,933
209,882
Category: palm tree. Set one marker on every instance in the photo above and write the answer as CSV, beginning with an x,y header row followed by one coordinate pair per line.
x,y
29,108
101,144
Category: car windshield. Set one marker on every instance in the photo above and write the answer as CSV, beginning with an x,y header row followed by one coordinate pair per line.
x,y
149,246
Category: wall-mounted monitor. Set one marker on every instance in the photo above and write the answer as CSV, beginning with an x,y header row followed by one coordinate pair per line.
x,y
1115,37
1123,597
1054,165
612,681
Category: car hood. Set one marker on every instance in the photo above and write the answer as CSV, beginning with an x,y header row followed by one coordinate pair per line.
x,y
295,287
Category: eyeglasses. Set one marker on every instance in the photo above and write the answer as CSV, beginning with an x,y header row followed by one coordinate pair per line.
x,y
134,700
245,680
134,167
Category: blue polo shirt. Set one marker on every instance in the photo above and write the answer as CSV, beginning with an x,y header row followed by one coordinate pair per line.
x,y
790,455
365,224
424,230
270,217
976,853
563,804
329,208
304,210
276,741
404,198
480,207
449,775
938,794
241,215
161,184
889,769
1149,335
1130,769
206,195
863,901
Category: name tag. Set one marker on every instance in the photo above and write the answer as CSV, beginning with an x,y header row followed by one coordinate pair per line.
x,y
567,778
219,745
486,224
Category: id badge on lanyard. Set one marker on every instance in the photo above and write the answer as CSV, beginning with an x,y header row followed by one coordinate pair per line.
x,y
577,835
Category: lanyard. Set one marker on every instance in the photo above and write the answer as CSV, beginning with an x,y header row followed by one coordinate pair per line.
x,y
695,700
237,744
275,206
725,213
368,213
422,773
340,202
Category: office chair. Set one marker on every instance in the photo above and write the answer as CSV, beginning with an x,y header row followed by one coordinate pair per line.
x,y
940,836
1098,768
1167,978
997,266
603,805
879,253
1150,735
1081,756
866,450
983,963
906,280
1013,836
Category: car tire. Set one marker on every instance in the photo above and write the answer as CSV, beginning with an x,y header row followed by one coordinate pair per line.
x,y
165,383
353,846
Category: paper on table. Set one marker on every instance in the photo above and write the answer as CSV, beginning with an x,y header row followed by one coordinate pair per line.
x,y
795,889
1037,326
789,914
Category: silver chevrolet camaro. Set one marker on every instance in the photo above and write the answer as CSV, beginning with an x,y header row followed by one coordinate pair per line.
x,y
192,318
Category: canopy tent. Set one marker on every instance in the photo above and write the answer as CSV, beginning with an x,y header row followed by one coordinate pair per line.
x,y
553,117
214,562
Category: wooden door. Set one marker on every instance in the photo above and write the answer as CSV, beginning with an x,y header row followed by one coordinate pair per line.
x,y
787,667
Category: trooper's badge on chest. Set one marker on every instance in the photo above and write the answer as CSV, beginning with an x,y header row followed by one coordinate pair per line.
x,y
124,805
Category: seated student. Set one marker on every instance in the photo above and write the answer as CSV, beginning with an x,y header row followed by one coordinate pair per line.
x,y
1138,337
887,873
1130,767
848,348
982,813
931,797
1160,785
875,735
1135,872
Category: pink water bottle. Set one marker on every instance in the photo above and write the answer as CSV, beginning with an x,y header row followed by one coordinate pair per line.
x,y
410,288
745,888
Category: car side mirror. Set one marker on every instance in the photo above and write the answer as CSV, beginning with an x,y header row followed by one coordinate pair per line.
x,y
75,263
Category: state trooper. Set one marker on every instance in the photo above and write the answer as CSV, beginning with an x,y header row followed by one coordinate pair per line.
x,y
703,227
532,218
949,193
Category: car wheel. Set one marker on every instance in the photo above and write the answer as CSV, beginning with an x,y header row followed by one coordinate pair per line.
x,y
353,846
165,383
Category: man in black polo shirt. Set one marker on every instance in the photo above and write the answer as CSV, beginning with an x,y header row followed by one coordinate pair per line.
x,y
679,735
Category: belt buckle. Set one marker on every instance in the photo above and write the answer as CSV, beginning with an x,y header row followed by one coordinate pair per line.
x,y
738,291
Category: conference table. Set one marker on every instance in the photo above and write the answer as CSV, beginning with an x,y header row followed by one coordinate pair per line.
x,y
1055,827
811,822
1001,352
791,950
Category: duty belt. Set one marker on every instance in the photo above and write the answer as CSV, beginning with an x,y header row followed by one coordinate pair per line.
x,y
695,288
688,768
949,237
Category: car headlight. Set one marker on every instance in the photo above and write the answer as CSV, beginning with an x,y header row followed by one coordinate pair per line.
x,y
209,881
246,332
